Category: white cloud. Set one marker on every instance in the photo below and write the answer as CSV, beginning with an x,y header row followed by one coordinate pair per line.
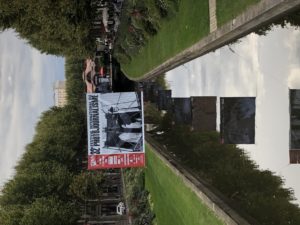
x,y
26,79
294,78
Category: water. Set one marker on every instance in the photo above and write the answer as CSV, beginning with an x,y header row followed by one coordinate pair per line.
x,y
265,67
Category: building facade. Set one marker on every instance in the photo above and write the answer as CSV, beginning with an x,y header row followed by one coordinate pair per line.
x,y
60,95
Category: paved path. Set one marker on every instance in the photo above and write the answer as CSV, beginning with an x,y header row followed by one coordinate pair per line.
x,y
212,16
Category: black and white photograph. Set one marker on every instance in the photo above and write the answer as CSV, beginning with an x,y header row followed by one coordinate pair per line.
x,y
121,123
238,120
294,119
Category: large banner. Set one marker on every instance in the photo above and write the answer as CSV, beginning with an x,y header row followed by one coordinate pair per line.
x,y
237,120
294,119
115,124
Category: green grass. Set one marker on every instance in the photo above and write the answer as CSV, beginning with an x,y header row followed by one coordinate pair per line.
x,y
190,24
229,9
174,202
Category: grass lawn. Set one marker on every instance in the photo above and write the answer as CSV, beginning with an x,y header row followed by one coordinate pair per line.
x,y
190,24
174,202
228,9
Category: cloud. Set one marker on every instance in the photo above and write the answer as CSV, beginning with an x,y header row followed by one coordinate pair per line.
x,y
26,79
294,78
228,71
177,80
292,43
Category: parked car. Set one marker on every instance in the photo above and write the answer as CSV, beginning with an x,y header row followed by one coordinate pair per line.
x,y
102,84
88,75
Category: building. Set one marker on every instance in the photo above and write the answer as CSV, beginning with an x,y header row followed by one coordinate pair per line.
x,y
60,95
204,113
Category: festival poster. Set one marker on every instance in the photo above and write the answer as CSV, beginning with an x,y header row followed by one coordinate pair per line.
x,y
115,124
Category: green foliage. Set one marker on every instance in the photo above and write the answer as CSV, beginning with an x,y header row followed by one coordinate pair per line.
x,y
291,19
259,193
38,180
151,113
59,136
11,215
140,21
75,87
161,81
46,171
167,7
53,27
87,185
137,197
49,211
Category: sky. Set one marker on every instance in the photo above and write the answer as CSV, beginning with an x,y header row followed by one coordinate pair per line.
x,y
261,66
26,90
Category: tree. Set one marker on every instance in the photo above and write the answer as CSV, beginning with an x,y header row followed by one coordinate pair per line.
x,y
74,85
87,185
292,19
45,172
161,81
11,215
42,179
49,211
152,114
53,27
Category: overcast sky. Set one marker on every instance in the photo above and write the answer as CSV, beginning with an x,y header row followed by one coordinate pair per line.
x,y
261,66
26,90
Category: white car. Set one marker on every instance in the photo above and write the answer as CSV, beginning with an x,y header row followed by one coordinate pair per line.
x,y
121,208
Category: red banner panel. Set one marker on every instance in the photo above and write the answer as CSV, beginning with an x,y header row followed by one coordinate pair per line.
x,y
116,161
